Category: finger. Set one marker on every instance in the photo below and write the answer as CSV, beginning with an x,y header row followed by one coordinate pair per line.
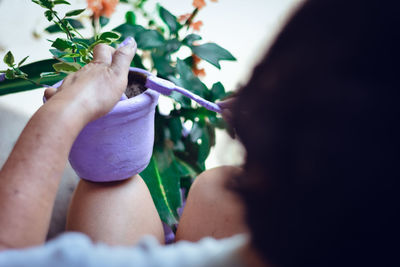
x,y
103,54
49,93
228,117
123,56
228,103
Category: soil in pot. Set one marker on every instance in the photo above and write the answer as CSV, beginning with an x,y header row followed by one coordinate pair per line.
x,y
134,88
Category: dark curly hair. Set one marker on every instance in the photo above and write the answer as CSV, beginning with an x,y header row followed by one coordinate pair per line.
x,y
319,121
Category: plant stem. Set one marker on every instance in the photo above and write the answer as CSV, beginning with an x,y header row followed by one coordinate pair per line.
x,y
33,82
67,32
80,35
96,26
191,18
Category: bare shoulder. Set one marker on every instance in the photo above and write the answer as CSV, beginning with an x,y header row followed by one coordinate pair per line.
x,y
218,176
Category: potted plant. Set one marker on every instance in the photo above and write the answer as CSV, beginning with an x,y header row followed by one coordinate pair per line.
x,y
184,136
119,144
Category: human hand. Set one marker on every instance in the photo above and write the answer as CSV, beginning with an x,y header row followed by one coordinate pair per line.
x,y
98,86
227,113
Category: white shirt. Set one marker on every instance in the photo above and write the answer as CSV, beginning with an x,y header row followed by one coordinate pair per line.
x,y
77,250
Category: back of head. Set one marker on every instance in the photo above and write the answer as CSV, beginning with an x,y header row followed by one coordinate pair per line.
x,y
319,122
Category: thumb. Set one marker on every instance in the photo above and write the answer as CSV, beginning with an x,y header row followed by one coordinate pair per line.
x,y
123,56
49,93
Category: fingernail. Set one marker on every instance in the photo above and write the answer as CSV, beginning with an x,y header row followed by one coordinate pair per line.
x,y
2,77
128,41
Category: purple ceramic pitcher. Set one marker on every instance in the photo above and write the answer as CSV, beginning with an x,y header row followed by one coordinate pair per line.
x,y
119,144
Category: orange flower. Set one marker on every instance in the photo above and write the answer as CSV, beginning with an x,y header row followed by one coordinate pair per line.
x,y
196,25
199,72
102,7
199,3
184,17
195,69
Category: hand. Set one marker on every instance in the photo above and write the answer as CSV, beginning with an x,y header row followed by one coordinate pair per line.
x,y
227,106
98,86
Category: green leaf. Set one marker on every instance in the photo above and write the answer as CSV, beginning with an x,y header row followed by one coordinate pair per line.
x,y
10,74
105,41
137,62
86,59
48,74
49,15
36,2
22,61
71,55
63,44
193,113
23,75
169,172
56,28
149,39
9,59
188,41
162,65
196,132
170,20
175,128
57,53
66,67
60,2
171,46
204,147
212,53
127,30
75,12
103,21
179,98
184,101
164,192
33,70
199,135
44,3
130,18
63,56
85,56
81,43
186,169
218,122
217,91
190,81
109,36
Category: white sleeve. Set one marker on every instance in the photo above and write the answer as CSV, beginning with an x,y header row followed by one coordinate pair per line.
x,y
75,249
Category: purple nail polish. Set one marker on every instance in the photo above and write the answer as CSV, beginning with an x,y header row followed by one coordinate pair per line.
x,y
2,77
127,41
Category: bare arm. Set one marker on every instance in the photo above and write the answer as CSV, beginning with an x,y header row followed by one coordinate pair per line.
x,y
29,179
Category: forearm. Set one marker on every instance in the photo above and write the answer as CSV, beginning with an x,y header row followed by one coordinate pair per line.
x,y
29,179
